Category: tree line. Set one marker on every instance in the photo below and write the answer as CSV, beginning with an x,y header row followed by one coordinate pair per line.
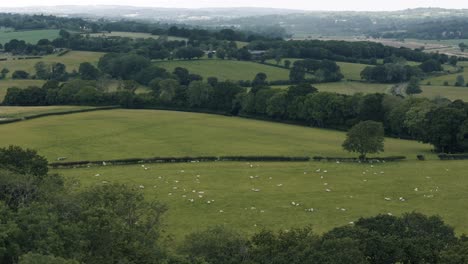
x,y
44,219
439,122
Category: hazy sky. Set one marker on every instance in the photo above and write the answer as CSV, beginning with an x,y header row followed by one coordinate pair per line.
x,y
291,4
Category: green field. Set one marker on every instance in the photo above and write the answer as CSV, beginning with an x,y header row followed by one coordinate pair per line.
x,y
30,36
450,92
72,60
353,87
359,189
450,78
117,134
246,196
134,35
351,71
5,84
227,69
349,88
26,111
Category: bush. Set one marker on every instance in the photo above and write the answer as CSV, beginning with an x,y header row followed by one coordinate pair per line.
x,y
421,157
20,75
444,156
262,158
370,160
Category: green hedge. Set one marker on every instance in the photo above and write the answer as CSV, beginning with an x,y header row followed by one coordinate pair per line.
x,y
262,158
444,156
373,159
63,53
129,161
13,120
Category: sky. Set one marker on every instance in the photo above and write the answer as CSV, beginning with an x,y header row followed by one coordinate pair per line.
x,y
358,5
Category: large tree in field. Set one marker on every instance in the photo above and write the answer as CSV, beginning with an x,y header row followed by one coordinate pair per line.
x,y
364,138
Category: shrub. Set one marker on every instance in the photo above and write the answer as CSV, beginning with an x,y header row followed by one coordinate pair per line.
x,y
20,75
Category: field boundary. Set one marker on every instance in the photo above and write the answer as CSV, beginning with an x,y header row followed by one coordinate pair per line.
x,y
444,156
133,161
14,120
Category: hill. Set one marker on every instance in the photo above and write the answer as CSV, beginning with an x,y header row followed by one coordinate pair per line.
x,y
149,133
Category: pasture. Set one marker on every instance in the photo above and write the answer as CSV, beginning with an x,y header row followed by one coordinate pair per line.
x,y
5,84
351,88
251,198
449,92
246,196
227,69
26,111
114,134
449,78
29,36
351,71
72,61
134,35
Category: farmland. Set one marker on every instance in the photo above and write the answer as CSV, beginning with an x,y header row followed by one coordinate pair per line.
x,y
5,84
351,71
227,69
134,35
29,36
72,61
148,133
20,112
356,191
353,87
450,92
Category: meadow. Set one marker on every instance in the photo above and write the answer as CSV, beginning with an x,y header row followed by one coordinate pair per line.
x,y
134,35
27,111
150,133
5,84
250,198
450,92
227,69
351,88
30,36
72,61
246,196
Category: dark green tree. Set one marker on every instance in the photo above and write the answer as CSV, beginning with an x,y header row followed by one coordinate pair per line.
x,y
364,138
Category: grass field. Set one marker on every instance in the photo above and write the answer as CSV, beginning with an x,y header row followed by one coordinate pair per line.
x,y
450,92
30,36
356,190
351,71
117,134
134,35
353,87
450,78
245,196
72,60
25,111
227,69
349,88
5,84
